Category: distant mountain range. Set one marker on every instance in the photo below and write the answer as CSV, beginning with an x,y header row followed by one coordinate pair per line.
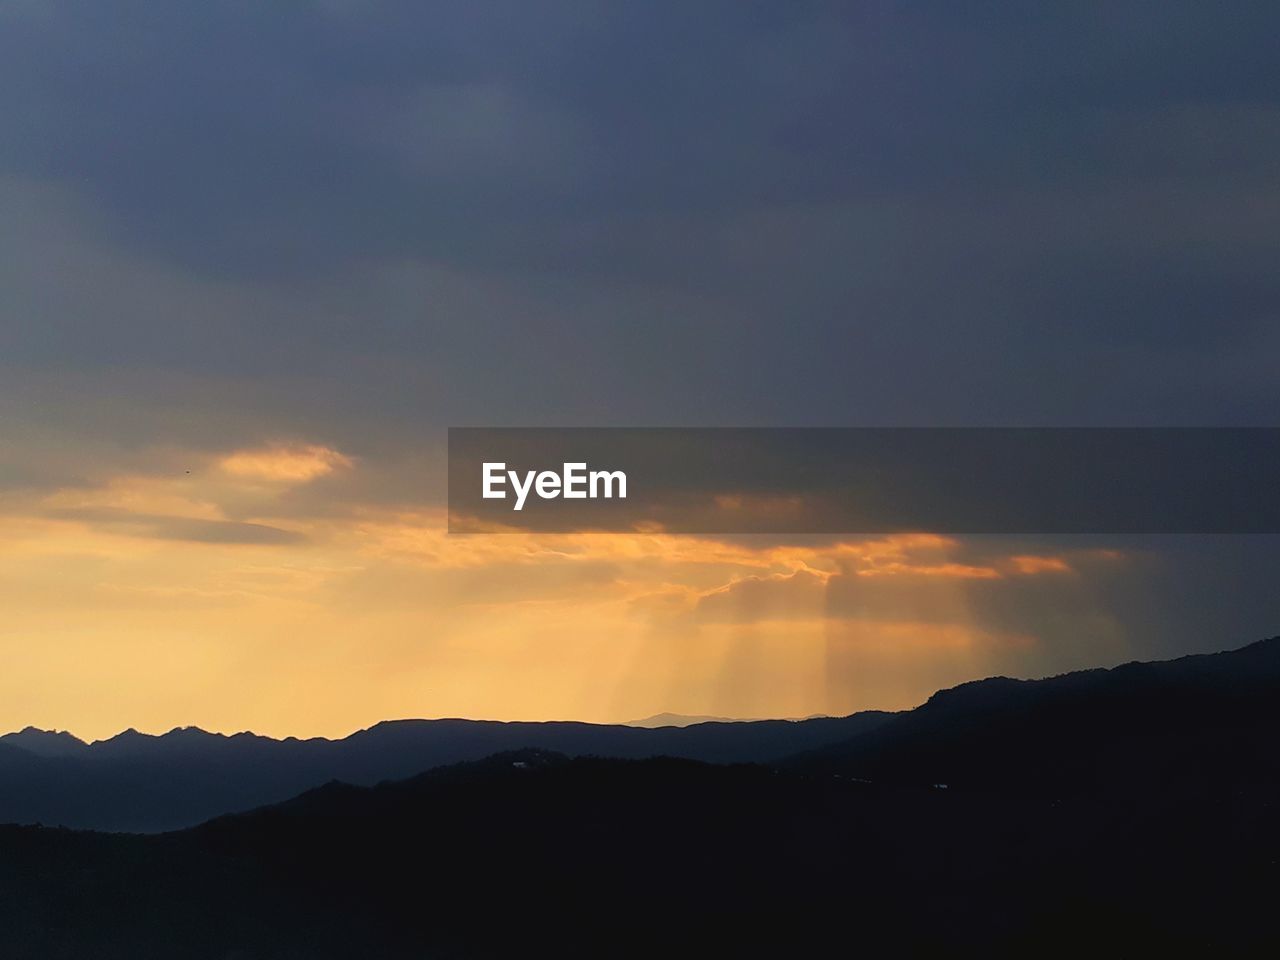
x,y
1130,811
686,720
138,782
45,743
679,720
1192,718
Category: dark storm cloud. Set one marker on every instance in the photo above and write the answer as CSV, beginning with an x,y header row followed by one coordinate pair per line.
x,y
810,212
272,137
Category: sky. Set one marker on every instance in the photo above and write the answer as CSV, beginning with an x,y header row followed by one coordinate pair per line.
x,y
256,258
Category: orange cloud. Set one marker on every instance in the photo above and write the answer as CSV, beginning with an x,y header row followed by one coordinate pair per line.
x,y
1028,564
288,464
960,571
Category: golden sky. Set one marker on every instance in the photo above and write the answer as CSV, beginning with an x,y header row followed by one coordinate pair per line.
x,y
235,590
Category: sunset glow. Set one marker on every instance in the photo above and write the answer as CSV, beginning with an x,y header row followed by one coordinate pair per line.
x,y
208,596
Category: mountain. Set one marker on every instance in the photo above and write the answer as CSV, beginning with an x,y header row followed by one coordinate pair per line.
x,y
139,782
1201,719
535,853
1129,811
45,743
685,720
1207,719
679,720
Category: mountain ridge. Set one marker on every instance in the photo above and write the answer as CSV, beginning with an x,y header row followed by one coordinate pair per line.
x,y
1088,726
1131,808
1048,733
47,743
150,783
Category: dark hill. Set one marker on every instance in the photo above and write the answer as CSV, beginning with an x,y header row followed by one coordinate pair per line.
x,y
1126,812
532,853
138,782
1199,720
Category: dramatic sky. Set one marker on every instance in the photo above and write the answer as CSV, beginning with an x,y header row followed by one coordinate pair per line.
x,y
256,257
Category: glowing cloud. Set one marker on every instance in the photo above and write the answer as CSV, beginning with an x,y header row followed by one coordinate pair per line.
x,y
1032,564
287,464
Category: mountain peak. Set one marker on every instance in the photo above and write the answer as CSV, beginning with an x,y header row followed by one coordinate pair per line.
x,y
193,733
45,743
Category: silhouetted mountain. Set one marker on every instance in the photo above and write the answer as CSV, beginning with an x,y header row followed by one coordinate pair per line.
x,y
45,743
679,720
138,782
1200,719
685,720
1123,812
1210,719
533,853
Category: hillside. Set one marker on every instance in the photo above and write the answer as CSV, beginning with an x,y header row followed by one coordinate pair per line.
x,y
1205,721
1126,811
138,782
536,852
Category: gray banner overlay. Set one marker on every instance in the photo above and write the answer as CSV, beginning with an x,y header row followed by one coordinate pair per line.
x,y
872,481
